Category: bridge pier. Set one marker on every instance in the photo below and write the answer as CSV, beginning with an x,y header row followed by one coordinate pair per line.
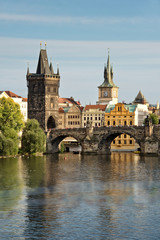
x,y
150,146
92,147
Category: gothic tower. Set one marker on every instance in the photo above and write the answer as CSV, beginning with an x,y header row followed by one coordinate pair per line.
x,y
108,91
43,93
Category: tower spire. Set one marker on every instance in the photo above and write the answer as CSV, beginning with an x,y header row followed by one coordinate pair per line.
x,y
27,68
57,69
51,67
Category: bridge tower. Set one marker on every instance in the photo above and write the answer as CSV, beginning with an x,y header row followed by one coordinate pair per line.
x,y
108,91
43,93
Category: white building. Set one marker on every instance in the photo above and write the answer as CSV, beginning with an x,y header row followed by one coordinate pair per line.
x,y
17,99
93,114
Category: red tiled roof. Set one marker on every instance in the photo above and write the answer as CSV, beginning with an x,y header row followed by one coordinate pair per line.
x,y
11,94
101,107
24,99
61,110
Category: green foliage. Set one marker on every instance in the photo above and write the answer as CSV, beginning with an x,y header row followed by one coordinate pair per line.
x,y
153,118
62,148
10,115
11,122
33,138
8,146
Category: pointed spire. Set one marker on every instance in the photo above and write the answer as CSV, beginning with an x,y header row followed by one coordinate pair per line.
x,y
27,68
105,71
51,67
140,99
108,61
157,105
108,74
43,63
57,69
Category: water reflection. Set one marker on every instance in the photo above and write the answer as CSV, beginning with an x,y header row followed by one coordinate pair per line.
x,y
69,196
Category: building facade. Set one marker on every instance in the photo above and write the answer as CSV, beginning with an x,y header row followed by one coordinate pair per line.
x,y
70,113
17,99
108,91
125,115
93,114
43,93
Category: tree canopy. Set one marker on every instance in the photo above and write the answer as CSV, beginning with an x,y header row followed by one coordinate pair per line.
x,y
10,115
33,137
11,122
153,117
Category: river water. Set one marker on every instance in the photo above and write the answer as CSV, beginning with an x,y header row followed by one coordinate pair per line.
x,y
69,196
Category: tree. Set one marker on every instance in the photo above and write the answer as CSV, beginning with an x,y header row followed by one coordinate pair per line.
x,y
10,115
33,137
62,148
11,122
153,117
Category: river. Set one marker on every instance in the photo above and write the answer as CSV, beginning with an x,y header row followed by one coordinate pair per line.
x,y
69,196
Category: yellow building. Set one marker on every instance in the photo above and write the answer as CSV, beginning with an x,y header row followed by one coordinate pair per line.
x,y
121,115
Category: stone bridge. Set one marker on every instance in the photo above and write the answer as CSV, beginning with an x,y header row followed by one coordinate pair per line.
x,y
97,140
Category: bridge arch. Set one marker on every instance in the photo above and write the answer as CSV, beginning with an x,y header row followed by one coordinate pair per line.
x,y
59,138
105,140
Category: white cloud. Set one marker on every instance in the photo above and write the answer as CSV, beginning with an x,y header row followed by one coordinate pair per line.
x,y
73,20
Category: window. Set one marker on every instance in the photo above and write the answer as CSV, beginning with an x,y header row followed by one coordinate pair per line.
x,y
125,123
124,141
113,141
130,122
51,103
84,118
130,141
125,136
114,123
119,141
95,118
108,123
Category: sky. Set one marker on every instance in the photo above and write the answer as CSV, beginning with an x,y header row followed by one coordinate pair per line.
x,y
78,34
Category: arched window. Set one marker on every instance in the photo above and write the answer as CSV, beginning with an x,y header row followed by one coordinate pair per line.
x,y
108,123
125,123
51,103
51,123
114,123
130,122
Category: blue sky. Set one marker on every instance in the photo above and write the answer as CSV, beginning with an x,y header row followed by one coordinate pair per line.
x,y
78,35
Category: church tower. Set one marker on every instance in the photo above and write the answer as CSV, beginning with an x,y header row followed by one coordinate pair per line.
x,y
43,93
108,91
